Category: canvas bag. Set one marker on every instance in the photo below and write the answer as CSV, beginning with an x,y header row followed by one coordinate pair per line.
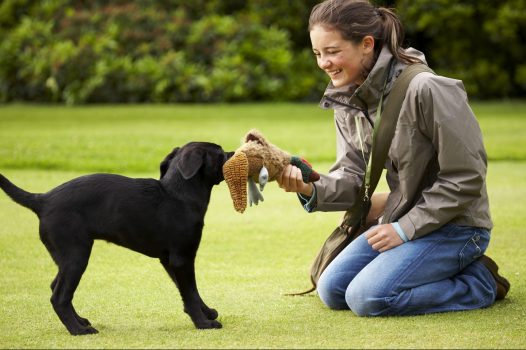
x,y
354,222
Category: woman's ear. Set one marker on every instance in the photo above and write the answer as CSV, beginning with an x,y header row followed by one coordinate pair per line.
x,y
368,44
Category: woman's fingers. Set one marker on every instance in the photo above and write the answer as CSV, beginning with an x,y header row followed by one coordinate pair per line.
x,y
373,236
383,237
291,180
296,179
288,180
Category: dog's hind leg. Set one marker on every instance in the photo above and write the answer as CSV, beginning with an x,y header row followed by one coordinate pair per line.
x,y
71,253
183,273
210,313
68,278
83,321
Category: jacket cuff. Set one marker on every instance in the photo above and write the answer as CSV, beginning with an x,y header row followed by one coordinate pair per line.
x,y
309,203
407,227
400,232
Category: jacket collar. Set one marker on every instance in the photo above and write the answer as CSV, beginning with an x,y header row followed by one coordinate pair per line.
x,y
366,95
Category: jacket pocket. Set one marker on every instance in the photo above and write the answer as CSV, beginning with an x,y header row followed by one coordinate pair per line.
x,y
474,248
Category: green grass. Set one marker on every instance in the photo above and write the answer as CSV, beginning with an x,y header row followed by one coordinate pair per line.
x,y
246,262
134,138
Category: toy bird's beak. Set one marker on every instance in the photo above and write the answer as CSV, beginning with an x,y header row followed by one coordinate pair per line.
x,y
235,172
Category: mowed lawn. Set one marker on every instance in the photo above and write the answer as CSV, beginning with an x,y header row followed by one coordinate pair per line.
x,y
246,262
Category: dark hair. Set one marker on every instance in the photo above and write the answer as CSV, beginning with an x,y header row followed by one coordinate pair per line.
x,y
355,19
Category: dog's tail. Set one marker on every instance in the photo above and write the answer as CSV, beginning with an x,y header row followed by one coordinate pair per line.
x,y
29,200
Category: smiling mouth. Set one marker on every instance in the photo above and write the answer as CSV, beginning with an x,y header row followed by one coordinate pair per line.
x,y
333,73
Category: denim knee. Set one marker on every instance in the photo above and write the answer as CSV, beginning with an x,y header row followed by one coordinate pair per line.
x,y
328,293
365,302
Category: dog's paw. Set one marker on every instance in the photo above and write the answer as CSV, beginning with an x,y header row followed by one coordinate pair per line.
x,y
83,321
84,331
210,324
211,314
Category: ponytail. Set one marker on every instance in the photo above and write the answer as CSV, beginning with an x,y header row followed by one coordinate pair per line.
x,y
393,35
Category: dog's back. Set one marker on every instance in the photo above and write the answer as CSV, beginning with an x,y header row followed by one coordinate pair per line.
x,y
98,196
134,213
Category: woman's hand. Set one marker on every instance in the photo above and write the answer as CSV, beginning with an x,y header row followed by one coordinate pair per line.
x,y
291,180
383,237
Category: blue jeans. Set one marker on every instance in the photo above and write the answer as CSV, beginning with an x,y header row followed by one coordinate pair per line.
x,y
435,273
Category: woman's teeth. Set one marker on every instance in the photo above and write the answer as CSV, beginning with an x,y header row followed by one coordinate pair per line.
x,y
334,72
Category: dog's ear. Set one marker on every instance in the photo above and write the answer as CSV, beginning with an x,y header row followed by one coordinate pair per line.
x,y
191,162
165,164
229,155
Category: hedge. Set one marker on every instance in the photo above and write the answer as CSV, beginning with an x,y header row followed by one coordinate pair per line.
x,y
95,51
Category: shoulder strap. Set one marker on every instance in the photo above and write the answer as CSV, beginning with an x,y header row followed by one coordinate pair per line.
x,y
385,125
384,132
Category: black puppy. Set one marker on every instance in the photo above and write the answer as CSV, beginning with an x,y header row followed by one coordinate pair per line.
x,y
162,219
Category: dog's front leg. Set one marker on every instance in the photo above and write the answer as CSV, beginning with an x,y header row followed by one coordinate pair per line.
x,y
210,313
183,274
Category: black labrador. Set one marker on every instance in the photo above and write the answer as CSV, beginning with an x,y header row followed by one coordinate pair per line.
x,y
162,219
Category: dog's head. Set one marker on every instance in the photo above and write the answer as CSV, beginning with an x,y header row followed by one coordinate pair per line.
x,y
196,158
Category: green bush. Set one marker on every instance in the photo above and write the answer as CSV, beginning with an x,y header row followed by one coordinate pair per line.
x,y
482,42
133,51
78,51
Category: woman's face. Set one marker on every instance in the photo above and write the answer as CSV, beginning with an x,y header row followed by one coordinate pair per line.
x,y
341,59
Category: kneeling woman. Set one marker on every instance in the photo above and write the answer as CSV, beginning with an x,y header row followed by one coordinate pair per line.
x,y
427,255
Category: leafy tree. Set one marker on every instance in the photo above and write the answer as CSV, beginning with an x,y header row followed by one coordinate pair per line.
x,y
82,51
482,42
78,51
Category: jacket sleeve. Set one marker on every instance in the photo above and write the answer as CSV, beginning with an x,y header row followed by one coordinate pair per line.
x,y
444,117
338,190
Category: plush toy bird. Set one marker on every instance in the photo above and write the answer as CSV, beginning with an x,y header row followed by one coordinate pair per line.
x,y
259,161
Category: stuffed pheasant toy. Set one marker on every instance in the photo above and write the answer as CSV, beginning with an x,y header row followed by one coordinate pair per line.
x,y
259,161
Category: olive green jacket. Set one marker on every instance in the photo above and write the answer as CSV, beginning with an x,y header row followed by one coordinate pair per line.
x,y
436,166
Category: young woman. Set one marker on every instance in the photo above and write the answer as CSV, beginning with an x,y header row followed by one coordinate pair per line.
x,y
427,254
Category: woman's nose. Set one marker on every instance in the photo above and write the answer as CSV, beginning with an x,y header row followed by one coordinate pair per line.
x,y
323,62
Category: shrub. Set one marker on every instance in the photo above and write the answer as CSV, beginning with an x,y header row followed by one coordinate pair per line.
x,y
481,42
132,51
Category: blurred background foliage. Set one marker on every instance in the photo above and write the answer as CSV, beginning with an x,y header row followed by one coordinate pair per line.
x,y
95,51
